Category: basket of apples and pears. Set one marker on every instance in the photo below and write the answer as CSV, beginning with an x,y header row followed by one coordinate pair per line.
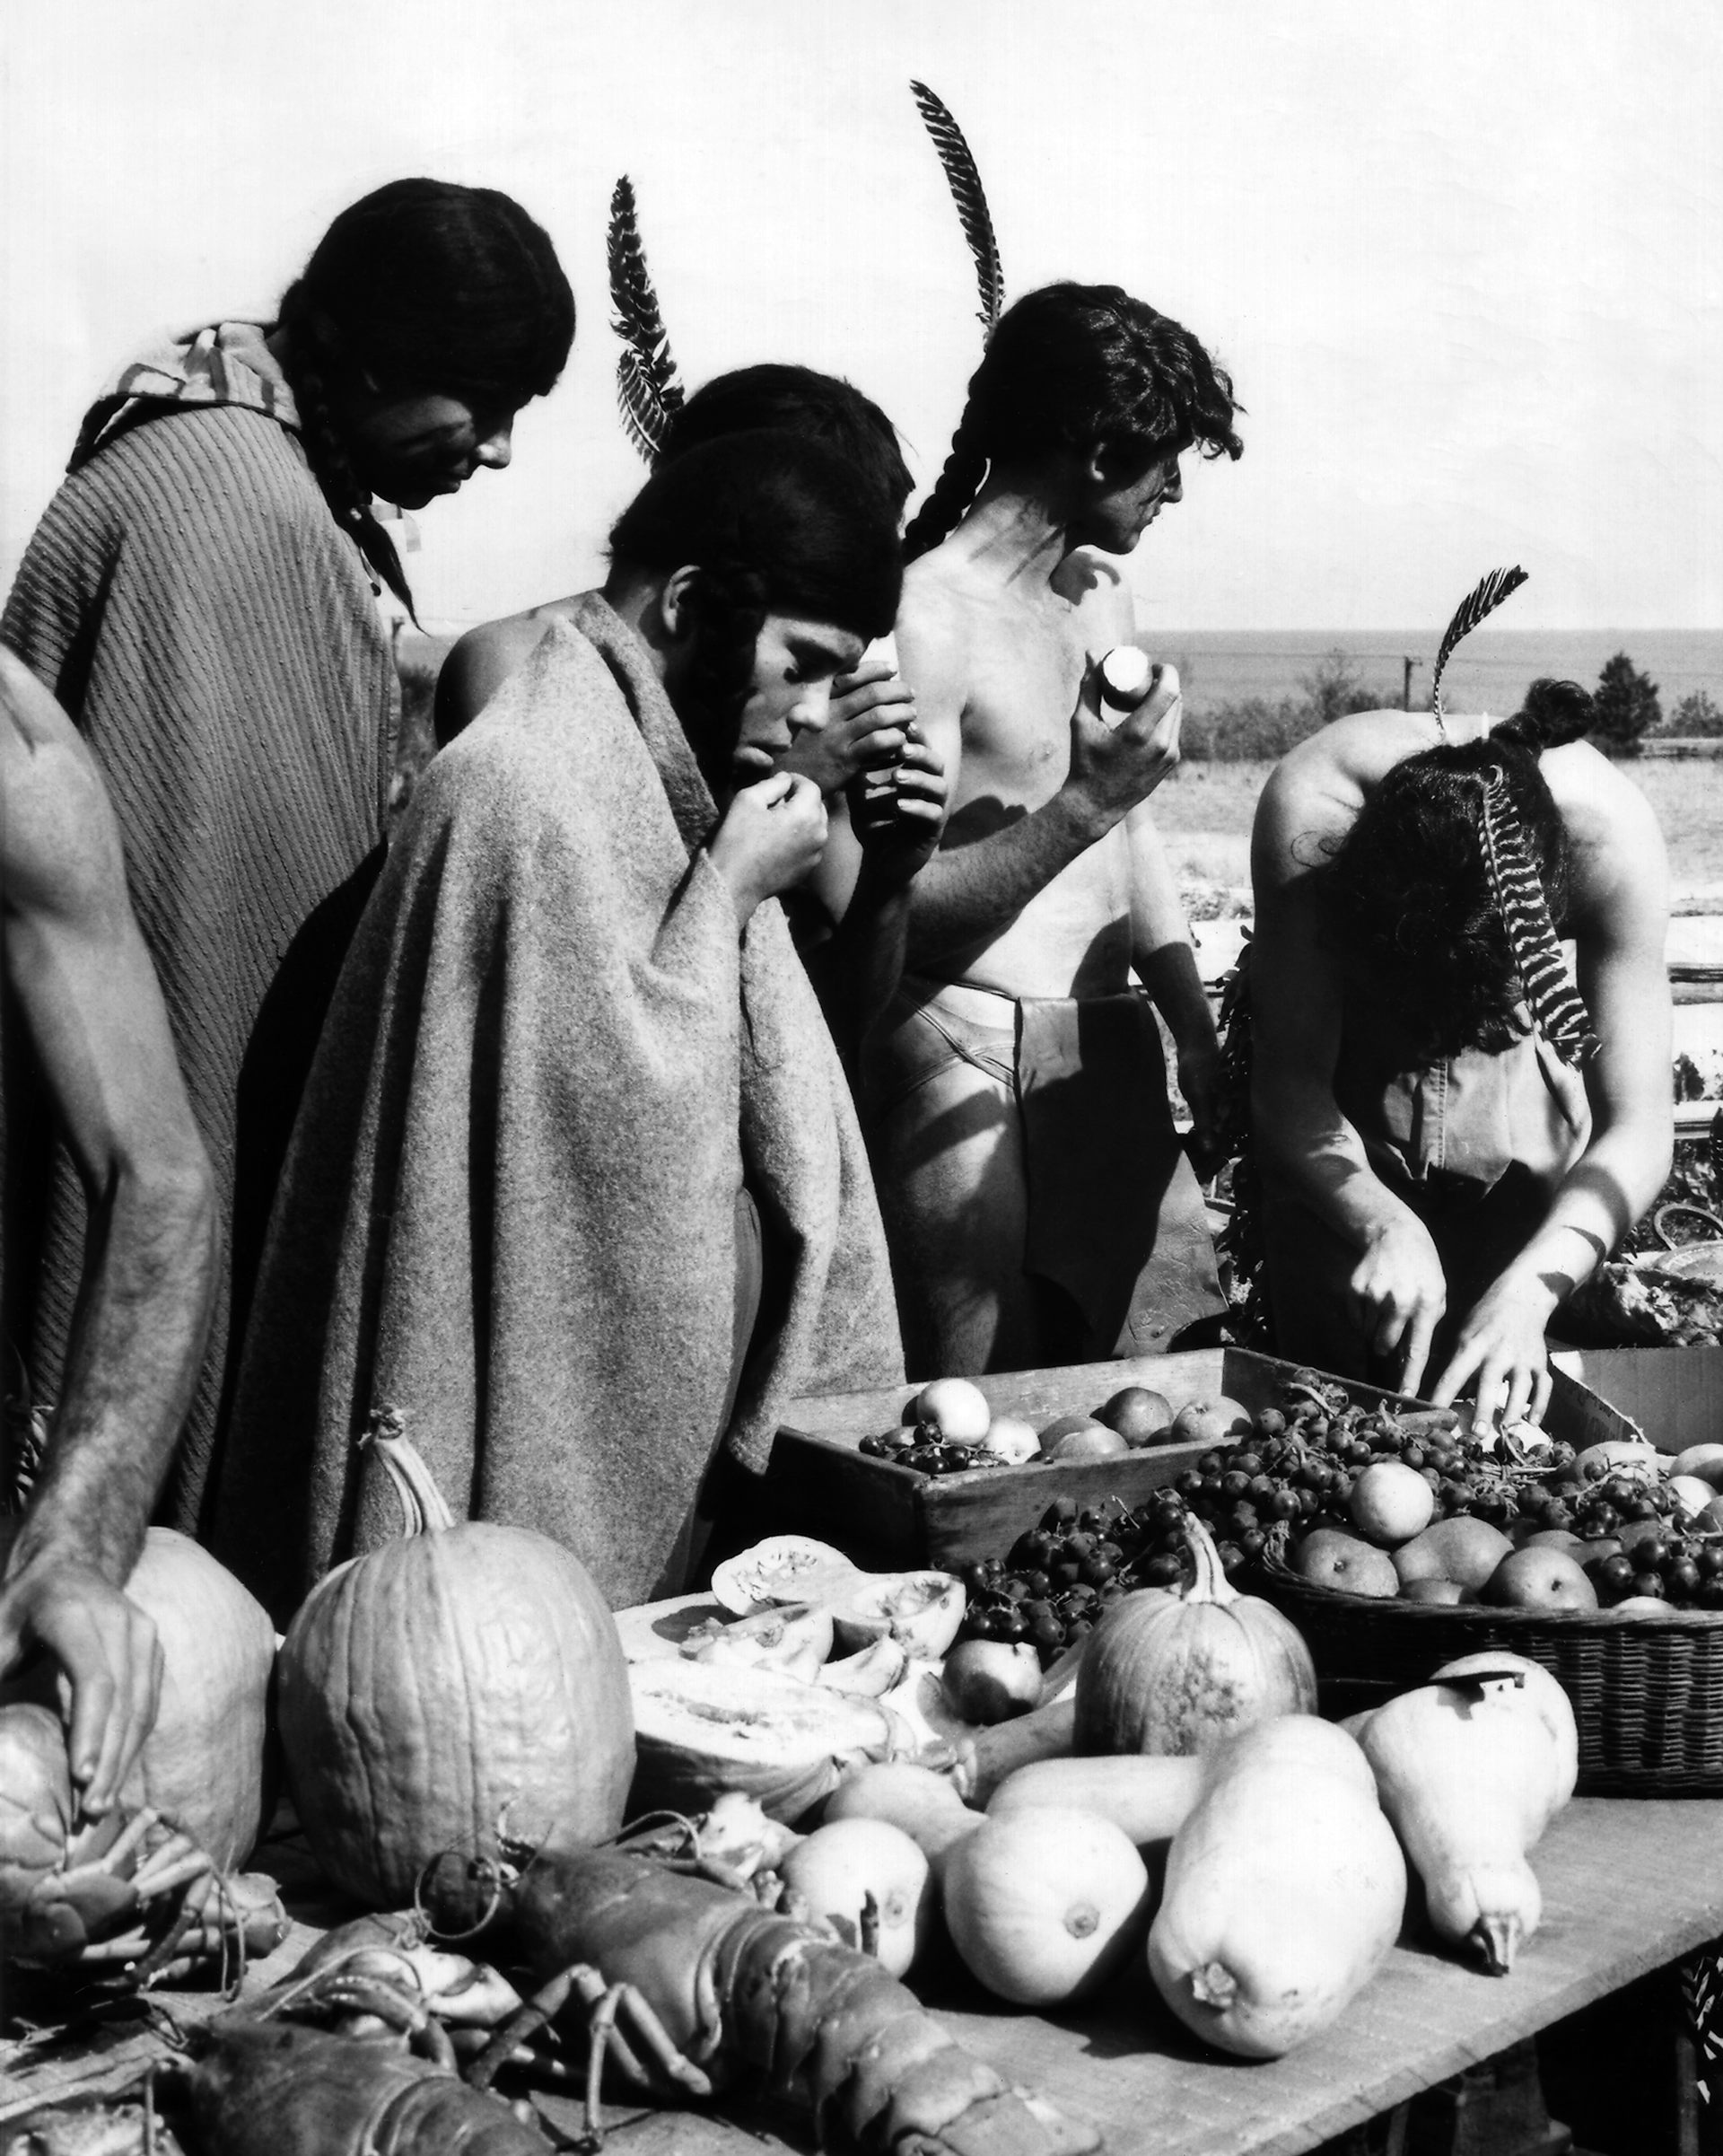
x,y
1397,1538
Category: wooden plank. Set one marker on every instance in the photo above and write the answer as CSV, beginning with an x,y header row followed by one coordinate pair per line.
x,y
1628,1885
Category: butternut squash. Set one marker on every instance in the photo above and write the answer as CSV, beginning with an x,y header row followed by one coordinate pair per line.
x,y
1285,1890
1472,1767
1147,1798
984,1760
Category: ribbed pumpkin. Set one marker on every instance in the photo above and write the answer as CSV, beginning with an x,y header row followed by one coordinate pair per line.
x,y
204,1763
440,1682
1182,1671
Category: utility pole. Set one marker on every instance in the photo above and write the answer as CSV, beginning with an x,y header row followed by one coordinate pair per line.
x,y
1405,687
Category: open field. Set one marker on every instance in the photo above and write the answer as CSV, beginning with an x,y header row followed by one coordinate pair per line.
x,y
1204,810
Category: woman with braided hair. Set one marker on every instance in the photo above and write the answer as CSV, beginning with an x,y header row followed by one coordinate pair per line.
x,y
1040,1207
201,596
1449,1139
578,1186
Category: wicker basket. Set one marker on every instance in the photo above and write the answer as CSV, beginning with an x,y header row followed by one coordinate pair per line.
x,y
1648,1695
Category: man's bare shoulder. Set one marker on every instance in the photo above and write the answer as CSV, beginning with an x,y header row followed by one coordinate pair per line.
x,y
1616,840
940,619
485,658
1316,790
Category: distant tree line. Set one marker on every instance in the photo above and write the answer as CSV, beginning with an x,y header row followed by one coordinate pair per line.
x,y
1259,729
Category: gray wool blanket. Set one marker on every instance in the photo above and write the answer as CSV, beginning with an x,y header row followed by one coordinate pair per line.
x,y
510,1208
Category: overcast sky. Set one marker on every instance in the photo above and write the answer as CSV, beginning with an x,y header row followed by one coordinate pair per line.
x,y
1464,257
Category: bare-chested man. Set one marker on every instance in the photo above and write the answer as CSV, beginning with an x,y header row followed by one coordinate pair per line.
x,y
77,984
1443,1157
1040,1207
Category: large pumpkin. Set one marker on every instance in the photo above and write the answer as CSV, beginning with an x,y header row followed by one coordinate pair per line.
x,y
1181,1672
462,1677
204,1762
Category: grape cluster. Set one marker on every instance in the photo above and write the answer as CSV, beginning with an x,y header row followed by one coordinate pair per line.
x,y
919,1445
1642,1550
1056,1579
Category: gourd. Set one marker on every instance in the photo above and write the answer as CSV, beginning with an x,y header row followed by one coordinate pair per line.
x,y
1472,1767
1285,1888
1182,1671
458,1682
1147,1799
706,1729
206,1763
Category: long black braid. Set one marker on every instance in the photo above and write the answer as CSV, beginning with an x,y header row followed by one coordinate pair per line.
x,y
326,452
727,605
1079,367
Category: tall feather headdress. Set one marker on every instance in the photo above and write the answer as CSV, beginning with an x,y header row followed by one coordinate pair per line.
x,y
649,389
972,213
1483,600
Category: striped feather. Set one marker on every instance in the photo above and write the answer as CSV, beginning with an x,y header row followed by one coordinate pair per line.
x,y
1482,600
972,213
1557,1011
649,389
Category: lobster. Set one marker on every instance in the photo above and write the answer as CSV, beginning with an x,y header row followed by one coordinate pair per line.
x,y
690,1986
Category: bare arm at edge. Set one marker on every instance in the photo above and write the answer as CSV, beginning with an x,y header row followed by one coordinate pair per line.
x,y
478,667
88,993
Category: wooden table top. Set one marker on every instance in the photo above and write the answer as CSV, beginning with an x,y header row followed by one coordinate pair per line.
x,y
1628,1884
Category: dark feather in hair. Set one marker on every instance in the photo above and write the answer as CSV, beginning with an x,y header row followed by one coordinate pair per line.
x,y
649,389
1483,600
965,183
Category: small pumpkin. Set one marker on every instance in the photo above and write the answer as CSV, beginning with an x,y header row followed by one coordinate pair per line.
x,y
1183,1670
442,1682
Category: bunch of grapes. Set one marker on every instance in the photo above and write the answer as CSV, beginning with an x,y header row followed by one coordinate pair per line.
x,y
920,1445
1056,1579
1644,1549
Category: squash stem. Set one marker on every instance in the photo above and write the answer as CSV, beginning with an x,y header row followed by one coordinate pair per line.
x,y
1209,1582
1497,1939
1214,1985
425,1510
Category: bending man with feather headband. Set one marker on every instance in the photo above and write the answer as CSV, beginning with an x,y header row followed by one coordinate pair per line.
x,y
1450,1138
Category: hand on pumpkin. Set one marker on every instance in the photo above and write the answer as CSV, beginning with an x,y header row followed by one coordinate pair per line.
x,y
108,1654
1398,1293
1501,1344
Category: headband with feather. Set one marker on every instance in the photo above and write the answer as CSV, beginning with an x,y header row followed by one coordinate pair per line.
x,y
1482,600
965,183
649,389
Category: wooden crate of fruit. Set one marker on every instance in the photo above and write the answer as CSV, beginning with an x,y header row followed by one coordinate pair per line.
x,y
889,1514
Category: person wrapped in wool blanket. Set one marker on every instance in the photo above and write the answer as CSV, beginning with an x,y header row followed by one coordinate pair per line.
x,y
572,1060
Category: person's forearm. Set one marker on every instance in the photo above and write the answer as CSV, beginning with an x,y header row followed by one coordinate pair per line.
x,y
856,970
968,893
1612,1185
1175,987
130,1367
1309,1147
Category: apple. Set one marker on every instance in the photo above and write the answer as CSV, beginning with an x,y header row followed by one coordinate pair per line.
x,y
955,1409
1539,1579
1390,1502
1094,1440
1691,1494
1012,1438
1559,1538
1328,1559
991,1680
1706,1461
1210,1422
1142,1417
1065,1425
1620,1456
